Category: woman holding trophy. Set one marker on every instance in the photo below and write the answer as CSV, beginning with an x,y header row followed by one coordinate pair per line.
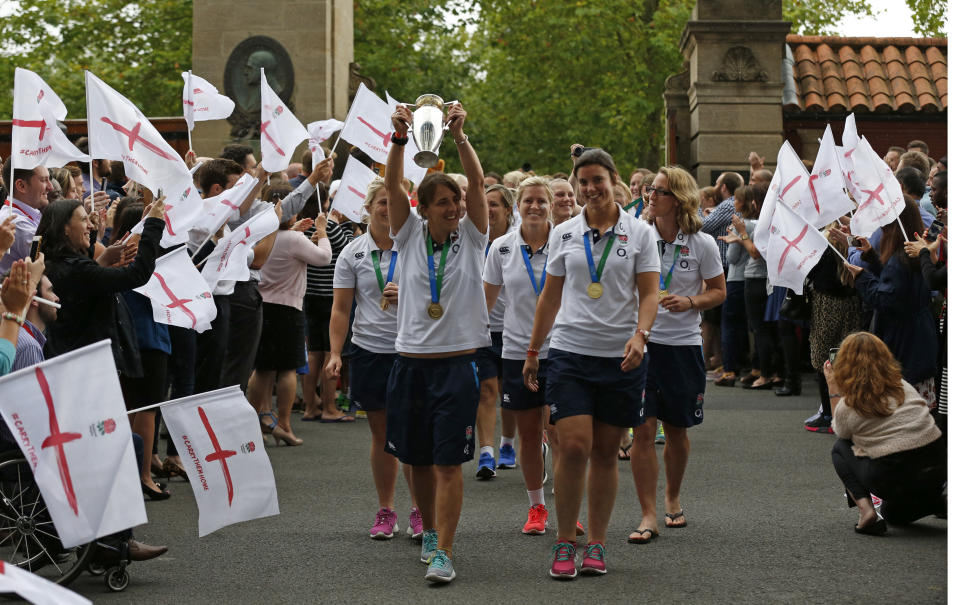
x,y
602,279
441,322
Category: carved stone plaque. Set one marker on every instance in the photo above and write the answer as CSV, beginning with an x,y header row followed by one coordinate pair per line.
x,y
241,81
740,65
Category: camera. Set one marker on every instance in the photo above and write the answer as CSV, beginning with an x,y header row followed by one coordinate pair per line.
x,y
579,150
833,354
936,227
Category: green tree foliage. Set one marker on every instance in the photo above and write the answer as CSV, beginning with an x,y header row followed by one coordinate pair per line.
x,y
138,47
820,17
929,17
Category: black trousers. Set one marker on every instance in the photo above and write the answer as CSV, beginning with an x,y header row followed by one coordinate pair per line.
x,y
212,348
764,332
246,321
910,483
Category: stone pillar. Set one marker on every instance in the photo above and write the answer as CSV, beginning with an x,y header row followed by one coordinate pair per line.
x,y
306,47
734,49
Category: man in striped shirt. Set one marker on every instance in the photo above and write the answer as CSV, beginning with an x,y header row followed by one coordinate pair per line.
x,y
28,194
32,335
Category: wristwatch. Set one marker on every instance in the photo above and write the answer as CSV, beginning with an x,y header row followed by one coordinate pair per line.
x,y
744,236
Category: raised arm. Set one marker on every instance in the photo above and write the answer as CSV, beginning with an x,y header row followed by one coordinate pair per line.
x,y
398,204
476,199
261,176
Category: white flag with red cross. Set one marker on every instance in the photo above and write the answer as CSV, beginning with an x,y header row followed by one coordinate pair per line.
x,y
280,130
849,140
36,139
826,184
353,190
182,207
794,246
319,132
117,130
228,261
178,293
368,125
878,191
69,419
785,187
35,589
202,101
218,437
219,208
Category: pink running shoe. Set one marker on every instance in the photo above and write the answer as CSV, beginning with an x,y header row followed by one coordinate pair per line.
x,y
564,561
385,525
536,524
415,529
593,564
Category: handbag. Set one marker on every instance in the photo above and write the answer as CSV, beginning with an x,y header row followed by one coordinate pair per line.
x,y
797,307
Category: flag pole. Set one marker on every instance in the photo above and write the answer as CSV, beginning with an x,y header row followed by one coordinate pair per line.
x,y
902,230
86,84
173,401
190,98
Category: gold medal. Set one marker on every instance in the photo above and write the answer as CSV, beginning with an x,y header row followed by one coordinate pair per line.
x,y
384,303
595,290
435,311
662,294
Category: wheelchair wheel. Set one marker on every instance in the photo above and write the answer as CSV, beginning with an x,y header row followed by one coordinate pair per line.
x,y
28,538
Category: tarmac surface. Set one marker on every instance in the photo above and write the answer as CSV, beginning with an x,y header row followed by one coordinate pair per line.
x,y
767,518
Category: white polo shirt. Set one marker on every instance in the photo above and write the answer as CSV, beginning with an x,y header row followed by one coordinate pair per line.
x,y
600,327
495,314
464,322
374,329
505,268
698,258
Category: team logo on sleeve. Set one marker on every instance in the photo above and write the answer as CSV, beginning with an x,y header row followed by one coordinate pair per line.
x,y
358,255
504,250
566,236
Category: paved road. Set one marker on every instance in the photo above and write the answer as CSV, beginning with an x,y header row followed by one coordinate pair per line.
x,y
768,523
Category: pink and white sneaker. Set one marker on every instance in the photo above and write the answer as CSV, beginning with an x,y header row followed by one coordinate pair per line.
x,y
593,564
415,529
384,525
564,561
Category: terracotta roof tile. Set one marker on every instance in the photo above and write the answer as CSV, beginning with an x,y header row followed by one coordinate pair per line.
x,y
884,75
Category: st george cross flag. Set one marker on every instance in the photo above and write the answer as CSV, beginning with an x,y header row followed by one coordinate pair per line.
x,y
202,101
217,435
783,187
318,133
178,294
182,207
35,589
228,261
878,191
119,131
826,184
36,139
218,209
794,247
368,125
68,417
849,140
280,130
353,189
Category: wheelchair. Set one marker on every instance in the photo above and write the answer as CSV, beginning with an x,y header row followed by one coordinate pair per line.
x,y
29,540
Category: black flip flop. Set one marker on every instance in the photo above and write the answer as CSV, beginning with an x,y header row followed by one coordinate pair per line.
x,y
625,452
673,517
641,540
877,528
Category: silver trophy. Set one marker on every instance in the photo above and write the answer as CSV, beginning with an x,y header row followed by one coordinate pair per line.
x,y
428,127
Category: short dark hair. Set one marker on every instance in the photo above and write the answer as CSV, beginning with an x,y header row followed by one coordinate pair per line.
x,y
236,152
896,148
493,175
119,206
306,162
596,157
215,172
911,181
275,194
731,180
18,174
427,190
917,143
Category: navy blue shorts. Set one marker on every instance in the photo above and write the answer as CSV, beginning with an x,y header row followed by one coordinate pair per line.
x,y
433,406
676,380
516,396
595,386
368,378
488,358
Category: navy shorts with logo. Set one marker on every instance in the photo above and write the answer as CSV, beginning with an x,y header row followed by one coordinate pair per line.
x,y
595,386
369,372
488,358
433,407
676,380
516,396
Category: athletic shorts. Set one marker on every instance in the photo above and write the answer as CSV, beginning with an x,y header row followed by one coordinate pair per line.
x,y
433,407
516,396
676,380
369,373
489,364
594,386
317,311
